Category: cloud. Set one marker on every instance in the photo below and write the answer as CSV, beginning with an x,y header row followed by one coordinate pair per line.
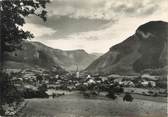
x,y
66,26
39,30
95,25
76,16
102,9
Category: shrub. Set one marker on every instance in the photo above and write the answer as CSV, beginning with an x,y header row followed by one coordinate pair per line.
x,y
8,91
29,93
150,92
86,94
128,97
111,94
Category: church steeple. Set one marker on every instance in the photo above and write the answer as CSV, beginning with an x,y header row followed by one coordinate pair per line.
x,y
77,72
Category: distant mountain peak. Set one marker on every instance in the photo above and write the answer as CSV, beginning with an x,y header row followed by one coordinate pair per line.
x,y
154,26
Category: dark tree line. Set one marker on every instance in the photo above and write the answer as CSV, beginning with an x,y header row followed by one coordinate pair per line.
x,y
12,18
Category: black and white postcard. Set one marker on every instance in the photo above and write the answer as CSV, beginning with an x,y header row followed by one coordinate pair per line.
x,y
83,58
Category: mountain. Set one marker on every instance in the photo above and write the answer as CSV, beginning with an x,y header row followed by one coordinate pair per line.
x,y
146,50
37,54
97,54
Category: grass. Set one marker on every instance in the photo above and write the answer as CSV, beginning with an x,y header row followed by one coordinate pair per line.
x,y
75,105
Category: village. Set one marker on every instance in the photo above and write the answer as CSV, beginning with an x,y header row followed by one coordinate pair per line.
x,y
39,83
79,58
144,84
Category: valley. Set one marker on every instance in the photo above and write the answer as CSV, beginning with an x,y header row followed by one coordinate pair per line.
x,y
135,70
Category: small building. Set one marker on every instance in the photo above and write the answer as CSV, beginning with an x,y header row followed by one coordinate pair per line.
x,y
149,77
57,76
77,74
152,83
88,76
91,81
118,80
103,78
144,83
128,83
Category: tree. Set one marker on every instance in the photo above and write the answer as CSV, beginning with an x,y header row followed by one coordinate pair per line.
x,y
12,18
8,92
42,91
39,78
111,94
13,13
42,88
128,97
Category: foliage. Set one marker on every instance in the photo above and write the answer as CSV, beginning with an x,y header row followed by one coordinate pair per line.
x,y
111,94
162,83
40,93
13,13
8,91
42,88
12,18
113,90
29,93
116,88
128,97
39,78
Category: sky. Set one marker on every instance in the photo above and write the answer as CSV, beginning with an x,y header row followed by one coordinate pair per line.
x,y
93,25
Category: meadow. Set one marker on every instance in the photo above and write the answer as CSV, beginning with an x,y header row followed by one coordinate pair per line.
x,y
75,105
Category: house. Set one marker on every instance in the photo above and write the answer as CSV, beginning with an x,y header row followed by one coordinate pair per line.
x,y
128,83
118,80
114,76
148,83
148,80
103,78
28,86
88,76
91,81
149,77
57,76
152,83
144,83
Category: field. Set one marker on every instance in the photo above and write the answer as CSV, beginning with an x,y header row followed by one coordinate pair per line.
x,y
74,105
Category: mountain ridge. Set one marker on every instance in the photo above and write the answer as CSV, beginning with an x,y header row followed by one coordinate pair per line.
x,y
38,54
146,49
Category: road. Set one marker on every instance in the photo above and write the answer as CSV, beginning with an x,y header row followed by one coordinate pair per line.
x,y
74,105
